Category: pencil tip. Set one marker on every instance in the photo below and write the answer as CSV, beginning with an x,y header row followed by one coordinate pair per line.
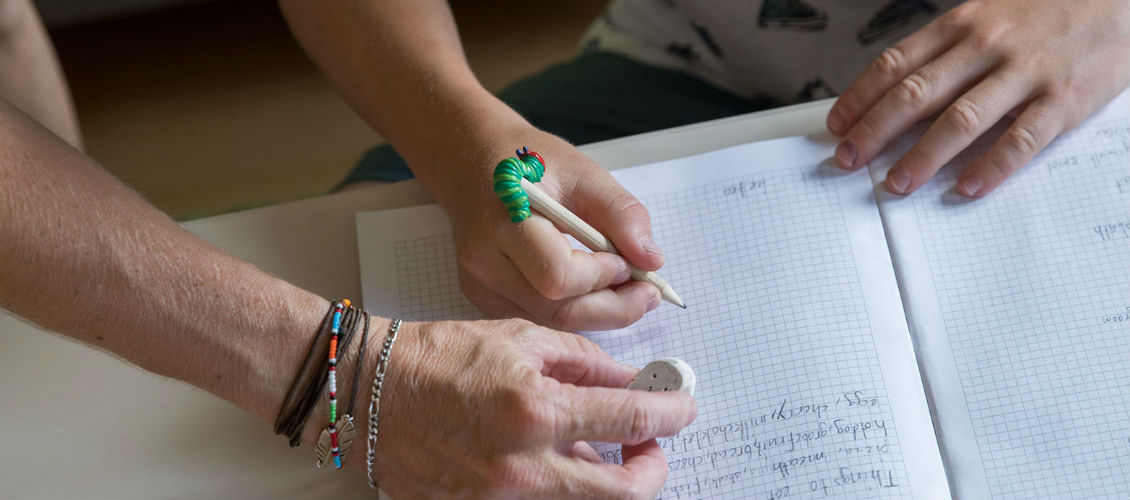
x,y
669,295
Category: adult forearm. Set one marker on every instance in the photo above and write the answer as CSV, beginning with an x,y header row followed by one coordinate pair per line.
x,y
83,255
401,65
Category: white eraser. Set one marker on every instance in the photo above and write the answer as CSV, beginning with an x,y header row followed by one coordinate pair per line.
x,y
665,374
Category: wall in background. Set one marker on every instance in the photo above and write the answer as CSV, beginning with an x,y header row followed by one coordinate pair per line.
x,y
59,13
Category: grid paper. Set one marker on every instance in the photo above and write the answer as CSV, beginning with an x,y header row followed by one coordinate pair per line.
x,y
792,399
1033,282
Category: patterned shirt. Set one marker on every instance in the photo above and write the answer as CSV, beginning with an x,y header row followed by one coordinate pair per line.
x,y
791,50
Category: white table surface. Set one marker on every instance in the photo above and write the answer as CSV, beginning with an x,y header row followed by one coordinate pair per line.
x,y
78,423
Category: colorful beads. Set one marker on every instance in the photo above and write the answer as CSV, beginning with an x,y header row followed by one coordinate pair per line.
x,y
339,311
508,175
341,325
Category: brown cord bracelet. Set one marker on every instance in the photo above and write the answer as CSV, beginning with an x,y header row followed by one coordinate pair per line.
x,y
311,378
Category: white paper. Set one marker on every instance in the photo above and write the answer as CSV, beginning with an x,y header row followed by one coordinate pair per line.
x,y
1020,307
807,381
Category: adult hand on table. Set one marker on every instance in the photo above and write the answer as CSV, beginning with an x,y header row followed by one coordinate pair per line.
x,y
495,409
1050,64
485,409
529,269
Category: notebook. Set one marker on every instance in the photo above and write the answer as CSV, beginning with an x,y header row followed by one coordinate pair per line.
x,y
850,343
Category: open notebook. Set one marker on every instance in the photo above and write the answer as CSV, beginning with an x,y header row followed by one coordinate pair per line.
x,y
853,344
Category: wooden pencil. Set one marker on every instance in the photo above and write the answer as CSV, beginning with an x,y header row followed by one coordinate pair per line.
x,y
591,238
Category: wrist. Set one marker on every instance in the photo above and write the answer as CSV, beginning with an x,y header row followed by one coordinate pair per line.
x,y
348,365
275,351
397,386
477,131
460,175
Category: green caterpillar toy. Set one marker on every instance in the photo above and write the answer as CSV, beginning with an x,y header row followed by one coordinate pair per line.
x,y
508,175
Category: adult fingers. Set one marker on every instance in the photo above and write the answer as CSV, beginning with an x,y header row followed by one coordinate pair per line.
x,y
1036,126
572,359
646,464
917,96
892,66
963,121
602,202
641,476
551,265
582,450
621,415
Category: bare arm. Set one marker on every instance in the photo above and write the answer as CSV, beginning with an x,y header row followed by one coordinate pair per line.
x,y
83,255
30,76
401,65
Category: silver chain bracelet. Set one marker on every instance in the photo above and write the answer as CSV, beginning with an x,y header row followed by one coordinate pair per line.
x,y
375,400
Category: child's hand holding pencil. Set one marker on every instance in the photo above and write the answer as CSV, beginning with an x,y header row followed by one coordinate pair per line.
x,y
530,270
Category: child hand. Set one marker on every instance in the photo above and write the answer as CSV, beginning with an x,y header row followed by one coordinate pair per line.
x,y
529,269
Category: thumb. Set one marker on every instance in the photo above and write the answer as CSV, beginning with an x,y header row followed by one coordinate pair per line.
x,y
612,210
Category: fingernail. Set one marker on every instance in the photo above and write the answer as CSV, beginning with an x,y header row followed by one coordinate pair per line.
x,y
835,121
969,186
845,154
653,303
623,273
649,245
897,180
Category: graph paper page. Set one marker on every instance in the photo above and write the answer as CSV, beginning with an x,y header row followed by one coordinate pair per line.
x,y
1020,307
807,381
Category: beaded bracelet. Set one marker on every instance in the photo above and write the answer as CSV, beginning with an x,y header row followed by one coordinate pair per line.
x,y
375,398
336,439
331,377
310,379
312,397
296,402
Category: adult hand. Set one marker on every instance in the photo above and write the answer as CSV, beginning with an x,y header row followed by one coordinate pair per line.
x,y
1046,62
528,269
496,409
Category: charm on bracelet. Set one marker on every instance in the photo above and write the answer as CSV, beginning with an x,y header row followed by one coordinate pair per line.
x,y
324,449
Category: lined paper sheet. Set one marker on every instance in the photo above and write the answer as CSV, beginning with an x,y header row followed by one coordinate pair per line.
x,y
807,381
1020,305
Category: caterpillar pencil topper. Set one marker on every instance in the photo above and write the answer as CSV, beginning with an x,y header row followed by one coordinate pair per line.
x,y
508,175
